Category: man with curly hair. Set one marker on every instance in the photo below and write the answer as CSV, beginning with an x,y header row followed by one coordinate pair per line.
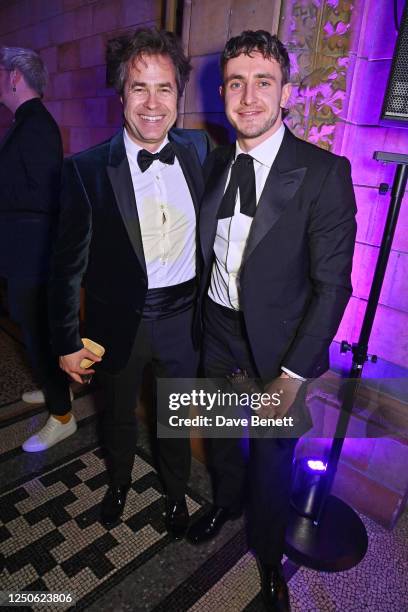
x,y
277,232
127,230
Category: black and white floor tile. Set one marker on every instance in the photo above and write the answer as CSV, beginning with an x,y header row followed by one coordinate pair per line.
x,y
51,539
15,374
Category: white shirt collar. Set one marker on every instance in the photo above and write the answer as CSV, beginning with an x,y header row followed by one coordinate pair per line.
x,y
132,148
265,152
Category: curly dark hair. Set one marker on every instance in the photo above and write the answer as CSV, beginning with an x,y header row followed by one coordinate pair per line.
x,y
260,40
123,50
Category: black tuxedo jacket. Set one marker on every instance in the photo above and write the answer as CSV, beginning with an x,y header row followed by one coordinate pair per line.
x,y
295,275
100,244
30,176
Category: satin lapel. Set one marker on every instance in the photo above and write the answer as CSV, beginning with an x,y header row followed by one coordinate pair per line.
x,y
214,191
121,180
186,156
280,187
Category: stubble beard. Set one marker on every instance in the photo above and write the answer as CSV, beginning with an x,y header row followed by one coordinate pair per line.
x,y
256,130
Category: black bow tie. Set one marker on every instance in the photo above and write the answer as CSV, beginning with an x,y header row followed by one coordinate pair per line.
x,y
145,158
243,178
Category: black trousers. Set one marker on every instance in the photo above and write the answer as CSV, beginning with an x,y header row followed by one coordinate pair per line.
x,y
28,307
167,345
259,479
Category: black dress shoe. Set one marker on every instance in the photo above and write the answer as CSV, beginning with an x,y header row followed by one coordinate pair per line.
x,y
274,590
176,518
113,504
209,525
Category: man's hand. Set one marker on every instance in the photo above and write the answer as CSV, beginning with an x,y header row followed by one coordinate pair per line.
x,y
71,364
285,388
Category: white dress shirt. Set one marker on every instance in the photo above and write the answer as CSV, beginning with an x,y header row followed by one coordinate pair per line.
x,y
232,233
167,219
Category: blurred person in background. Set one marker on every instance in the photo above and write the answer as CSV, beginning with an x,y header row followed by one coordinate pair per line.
x,y
30,172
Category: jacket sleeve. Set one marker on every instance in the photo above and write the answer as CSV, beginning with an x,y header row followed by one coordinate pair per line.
x,y
198,138
40,149
69,262
331,234
204,146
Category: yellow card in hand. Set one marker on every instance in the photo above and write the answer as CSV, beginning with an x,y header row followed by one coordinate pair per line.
x,y
95,348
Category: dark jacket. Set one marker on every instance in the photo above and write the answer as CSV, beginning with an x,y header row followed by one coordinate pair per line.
x,y
99,242
30,174
295,275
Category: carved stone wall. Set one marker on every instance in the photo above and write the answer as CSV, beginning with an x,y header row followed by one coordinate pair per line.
x,y
317,34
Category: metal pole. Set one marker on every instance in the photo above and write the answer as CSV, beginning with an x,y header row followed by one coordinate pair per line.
x,y
335,539
360,350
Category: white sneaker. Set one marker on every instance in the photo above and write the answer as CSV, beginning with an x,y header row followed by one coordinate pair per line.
x,y
53,432
37,396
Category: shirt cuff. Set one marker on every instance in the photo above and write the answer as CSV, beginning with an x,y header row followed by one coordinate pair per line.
x,y
292,374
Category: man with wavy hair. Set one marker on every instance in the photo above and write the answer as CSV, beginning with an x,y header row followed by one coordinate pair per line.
x,y
127,230
277,232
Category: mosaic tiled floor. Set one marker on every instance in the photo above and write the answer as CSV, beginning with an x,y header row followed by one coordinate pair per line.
x,y
229,580
15,374
50,538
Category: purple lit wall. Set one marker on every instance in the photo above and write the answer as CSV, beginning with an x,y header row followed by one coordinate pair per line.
x,y
71,36
337,104
362,133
